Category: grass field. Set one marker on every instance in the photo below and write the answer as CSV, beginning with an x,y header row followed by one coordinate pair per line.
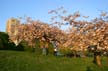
x,y
28,61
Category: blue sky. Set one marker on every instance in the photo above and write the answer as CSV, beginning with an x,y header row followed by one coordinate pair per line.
x,y
38,9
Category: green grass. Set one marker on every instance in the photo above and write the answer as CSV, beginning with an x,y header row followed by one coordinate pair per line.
x,y
28,61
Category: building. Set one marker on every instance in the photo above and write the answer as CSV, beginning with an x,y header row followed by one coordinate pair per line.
x,y
12,26
12,29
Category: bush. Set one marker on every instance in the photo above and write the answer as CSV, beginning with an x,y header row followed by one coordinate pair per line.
x,y
4,39
20,47
11,46
1,44
5,44
51,49
66,52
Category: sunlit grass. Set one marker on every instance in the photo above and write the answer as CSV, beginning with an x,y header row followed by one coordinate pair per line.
x,y
28,61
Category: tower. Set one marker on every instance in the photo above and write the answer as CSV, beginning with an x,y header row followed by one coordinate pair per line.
x,y
12,29
12,26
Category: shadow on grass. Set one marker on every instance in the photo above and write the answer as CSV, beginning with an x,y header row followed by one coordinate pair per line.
x,y
88,69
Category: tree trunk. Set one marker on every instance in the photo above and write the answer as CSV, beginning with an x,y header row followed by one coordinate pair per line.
x,y
98,61
74,52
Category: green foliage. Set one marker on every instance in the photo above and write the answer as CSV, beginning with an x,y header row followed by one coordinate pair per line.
x,y
27,61
51,49
4,39
1,44
24,46
5,44
65,51
11,46
21,46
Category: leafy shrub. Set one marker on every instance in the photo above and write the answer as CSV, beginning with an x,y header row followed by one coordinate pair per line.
x,y
51,49
4,39
67,52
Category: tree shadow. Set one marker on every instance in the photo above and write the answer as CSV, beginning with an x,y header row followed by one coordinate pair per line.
x,y
88,69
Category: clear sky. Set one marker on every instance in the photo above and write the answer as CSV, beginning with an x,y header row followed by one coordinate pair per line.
x,y
38,9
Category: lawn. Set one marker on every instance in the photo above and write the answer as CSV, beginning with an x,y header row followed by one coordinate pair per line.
x,y
28,61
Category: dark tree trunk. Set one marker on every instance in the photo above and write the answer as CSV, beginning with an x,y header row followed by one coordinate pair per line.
x,y
97,58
